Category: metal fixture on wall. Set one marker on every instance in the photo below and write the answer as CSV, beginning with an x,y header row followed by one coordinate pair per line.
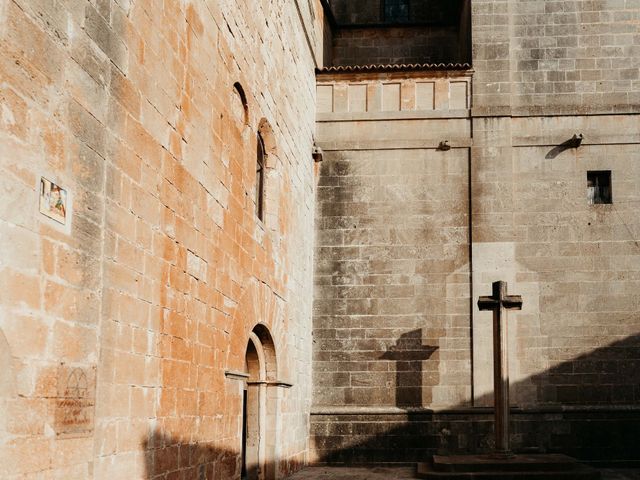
x,y
317,153
575,141
444,146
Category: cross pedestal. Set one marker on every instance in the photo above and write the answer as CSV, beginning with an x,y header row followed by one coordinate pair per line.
x,y
499,303
503,463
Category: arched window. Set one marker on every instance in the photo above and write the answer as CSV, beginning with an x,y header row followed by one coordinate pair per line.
x,y
260,171
239,105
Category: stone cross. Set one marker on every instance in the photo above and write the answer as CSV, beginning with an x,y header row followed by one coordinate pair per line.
x,y
499,303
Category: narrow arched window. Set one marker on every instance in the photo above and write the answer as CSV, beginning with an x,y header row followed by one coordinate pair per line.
x,y
260,164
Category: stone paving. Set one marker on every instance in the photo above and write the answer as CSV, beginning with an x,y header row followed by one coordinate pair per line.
x,y
406,473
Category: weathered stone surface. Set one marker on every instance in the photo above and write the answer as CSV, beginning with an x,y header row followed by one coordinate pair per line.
x,y
162,271
519,205
150,291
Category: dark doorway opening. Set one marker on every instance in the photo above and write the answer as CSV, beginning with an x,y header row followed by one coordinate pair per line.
x,y
243,475
251,425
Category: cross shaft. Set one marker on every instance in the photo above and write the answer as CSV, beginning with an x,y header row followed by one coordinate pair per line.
x,y
499,303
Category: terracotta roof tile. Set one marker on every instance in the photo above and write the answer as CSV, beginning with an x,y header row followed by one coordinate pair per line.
x,y
395,67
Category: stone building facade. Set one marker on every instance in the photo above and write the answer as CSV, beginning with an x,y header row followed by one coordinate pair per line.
x,y
126,320
440,179
186,294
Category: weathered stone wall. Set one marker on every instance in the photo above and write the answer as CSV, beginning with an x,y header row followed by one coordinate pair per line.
x,y
120,325
391,320
391,254
409,437
543,72
556,57
577,264
382,46
436,32
362,12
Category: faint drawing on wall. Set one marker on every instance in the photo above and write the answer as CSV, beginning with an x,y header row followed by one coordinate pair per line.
x,y
53,201
75,401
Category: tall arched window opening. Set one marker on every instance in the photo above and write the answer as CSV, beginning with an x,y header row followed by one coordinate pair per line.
x,y
260,171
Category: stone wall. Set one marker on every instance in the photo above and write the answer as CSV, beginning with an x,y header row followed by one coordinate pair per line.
x,y
121,323
400,437
436,32
362,12
391,308
556,57
390,327
576,263
543,72
536,63
382,46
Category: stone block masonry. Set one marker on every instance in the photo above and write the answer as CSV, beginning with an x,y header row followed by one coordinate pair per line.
x,y
129,334
391,321
361,46
408,236
116,330
555,56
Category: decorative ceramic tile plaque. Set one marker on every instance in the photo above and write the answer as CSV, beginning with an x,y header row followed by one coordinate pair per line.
x,y
53,201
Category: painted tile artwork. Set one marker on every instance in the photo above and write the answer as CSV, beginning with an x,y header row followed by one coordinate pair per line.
x,y
53,201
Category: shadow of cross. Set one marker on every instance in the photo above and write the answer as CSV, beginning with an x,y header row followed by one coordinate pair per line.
x,y
499,303
408,353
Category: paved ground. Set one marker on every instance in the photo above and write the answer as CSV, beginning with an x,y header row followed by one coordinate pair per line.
x,y
379,473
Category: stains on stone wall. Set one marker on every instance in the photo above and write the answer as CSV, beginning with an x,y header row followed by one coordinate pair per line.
x,y
370,33
391,319
401,45
526,221
580,57
127,105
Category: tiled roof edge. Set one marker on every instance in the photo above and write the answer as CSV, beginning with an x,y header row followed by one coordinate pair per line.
x,y
395,67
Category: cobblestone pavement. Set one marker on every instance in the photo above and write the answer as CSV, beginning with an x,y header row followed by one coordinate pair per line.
x,y
380,473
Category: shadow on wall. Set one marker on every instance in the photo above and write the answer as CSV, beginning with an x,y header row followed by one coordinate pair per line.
x,y
599,432
409,353
604,377
165,455
573,142
168,458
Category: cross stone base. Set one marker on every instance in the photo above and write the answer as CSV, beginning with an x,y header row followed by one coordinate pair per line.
x,y
516,467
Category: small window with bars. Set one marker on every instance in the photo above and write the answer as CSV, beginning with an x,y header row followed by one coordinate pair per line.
x,y
599,187
396,11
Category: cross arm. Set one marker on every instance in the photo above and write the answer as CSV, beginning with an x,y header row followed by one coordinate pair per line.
x,y
512,302
488,303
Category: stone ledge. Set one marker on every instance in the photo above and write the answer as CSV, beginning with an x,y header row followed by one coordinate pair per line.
x,y
392,115
364,410
517,467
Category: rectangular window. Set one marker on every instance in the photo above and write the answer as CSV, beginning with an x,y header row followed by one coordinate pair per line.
x,y
599,187
396,11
